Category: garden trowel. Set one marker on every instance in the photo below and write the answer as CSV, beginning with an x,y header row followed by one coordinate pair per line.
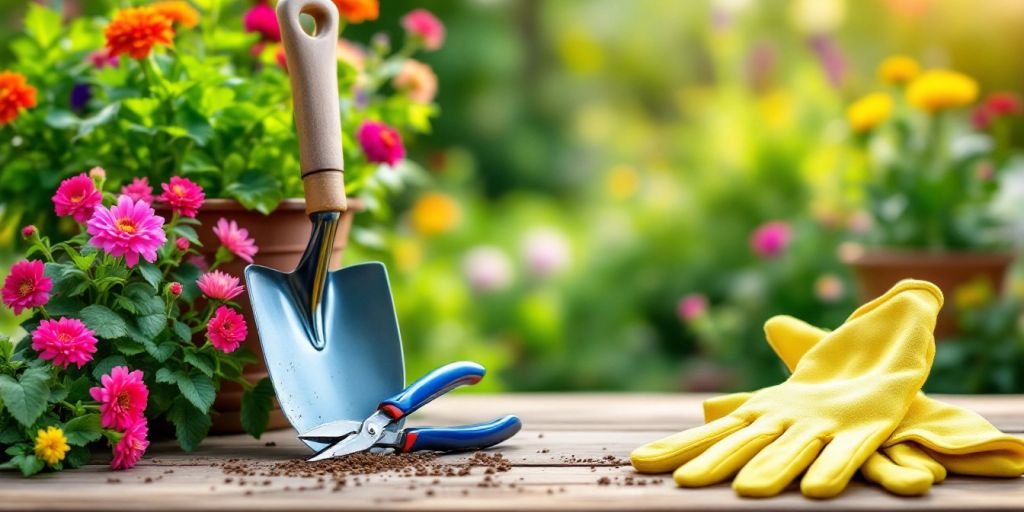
x,y
330,337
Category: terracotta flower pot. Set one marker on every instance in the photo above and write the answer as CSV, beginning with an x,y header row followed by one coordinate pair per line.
x,y
878,270
281,237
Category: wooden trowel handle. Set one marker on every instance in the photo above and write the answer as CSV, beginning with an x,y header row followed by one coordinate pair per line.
x,y
312,67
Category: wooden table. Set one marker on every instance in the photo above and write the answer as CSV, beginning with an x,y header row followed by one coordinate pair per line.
x,y
557,428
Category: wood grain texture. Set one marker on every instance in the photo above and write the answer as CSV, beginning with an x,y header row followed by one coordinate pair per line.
x,y
559,430
313,72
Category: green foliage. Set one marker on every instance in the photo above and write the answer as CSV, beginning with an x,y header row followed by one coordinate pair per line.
x,y
25,396
256,404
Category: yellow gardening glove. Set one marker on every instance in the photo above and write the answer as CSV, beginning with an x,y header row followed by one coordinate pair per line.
x,y
932,438
832,413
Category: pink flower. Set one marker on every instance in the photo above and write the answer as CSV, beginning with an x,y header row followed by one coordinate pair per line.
x,y
261,18
184,196
352,54
417,80
829,288
129,228
77,197
26,287
98,173
102,58
219,286
423,25
175,288
235,239
770,239
546,252
487,269
28,231
692,306
64,341
139,190
227,329
132,445
182,244
381,143
122,398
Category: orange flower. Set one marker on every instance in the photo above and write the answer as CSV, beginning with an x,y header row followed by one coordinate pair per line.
x,y
358,11
435,214
15,94
178,12
135,31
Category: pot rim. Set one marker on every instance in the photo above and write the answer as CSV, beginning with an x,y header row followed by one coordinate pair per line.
x,y
355,204
885,257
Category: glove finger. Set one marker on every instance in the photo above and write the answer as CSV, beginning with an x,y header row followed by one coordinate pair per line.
x,y
723,459
838,461
721,406
895,478
669,453
772,470
791,338
911,456
993,463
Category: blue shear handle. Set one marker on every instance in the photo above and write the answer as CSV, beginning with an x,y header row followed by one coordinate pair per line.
x,y
466,437
431,386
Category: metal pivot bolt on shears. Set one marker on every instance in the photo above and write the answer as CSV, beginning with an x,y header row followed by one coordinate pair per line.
x,y
380,432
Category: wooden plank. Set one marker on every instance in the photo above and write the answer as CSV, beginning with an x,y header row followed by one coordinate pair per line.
x,y
546,471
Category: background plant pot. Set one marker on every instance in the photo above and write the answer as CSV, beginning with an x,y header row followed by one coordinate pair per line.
x,y
281,237
878,270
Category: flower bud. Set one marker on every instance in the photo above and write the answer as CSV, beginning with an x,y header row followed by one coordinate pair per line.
x,y
182,244
97,174
174,288
28,231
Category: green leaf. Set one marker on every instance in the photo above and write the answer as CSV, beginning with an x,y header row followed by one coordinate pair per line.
x,y
30,465
129,347
188,233
77,457
190,424
256,190
151,274
182,331
160,351
166,376
201,361
61,119
106,364
104,322
187,274
104,116
26,397
140,110
42,24
256,404
64,306
6,349
83,430
197,389
10,434
197,126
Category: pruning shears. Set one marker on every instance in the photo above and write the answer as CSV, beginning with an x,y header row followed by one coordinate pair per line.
x,y
381,431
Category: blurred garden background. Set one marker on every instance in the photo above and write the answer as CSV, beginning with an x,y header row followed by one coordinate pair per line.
x,y
616,195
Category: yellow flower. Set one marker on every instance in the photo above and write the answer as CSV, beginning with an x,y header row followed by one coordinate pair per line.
x,y
868,112
973,295
622,182
898,70
408,254
51,445
941,89
435,213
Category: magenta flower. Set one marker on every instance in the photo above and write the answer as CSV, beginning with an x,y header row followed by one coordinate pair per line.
x,y
692,306
771,239
219,286
261,18
182,244
77,197
235,239
26,287
132,445
122,398
183,195
102,58
381,143
227,329
28,231
423,25
175,288
129,228
139,190
64,341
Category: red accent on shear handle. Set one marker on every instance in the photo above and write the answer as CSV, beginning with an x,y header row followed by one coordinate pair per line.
x,y
392,411
410,439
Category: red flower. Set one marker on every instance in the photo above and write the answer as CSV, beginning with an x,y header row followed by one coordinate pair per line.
x,y
77,197
26,287
135,31
227,329
15,95
122,398
183,195
64,341
175,288
423,25
182,244
1003,103
132,445
381,143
